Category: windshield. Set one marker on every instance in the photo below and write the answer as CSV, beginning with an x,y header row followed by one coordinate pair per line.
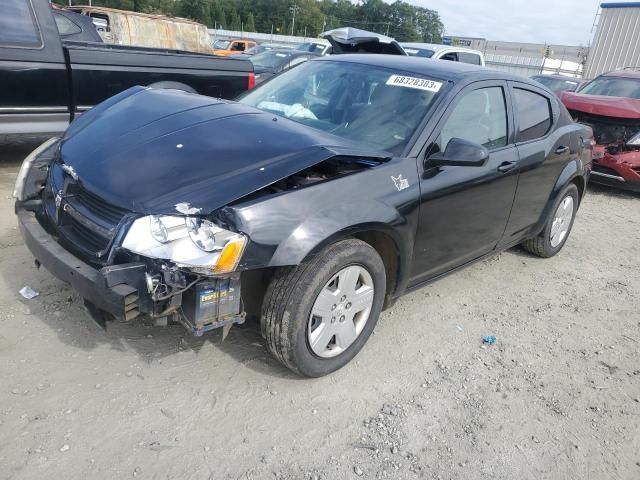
x,y
613,87
256,49
221,44
364,103
419,52
310,47
269,59
556,84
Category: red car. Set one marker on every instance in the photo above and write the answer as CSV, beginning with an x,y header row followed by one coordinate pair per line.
x,y
610,104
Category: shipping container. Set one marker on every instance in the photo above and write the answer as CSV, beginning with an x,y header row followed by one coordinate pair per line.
x,y
616,43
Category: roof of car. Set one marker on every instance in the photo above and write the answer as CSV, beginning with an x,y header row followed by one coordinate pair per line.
x,y
292,52
436,47
557,76
453,71
625,73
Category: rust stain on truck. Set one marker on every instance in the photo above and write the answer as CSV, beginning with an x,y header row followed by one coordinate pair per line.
x,y
123,27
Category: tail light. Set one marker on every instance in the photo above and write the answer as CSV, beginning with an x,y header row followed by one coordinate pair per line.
x,y
252,81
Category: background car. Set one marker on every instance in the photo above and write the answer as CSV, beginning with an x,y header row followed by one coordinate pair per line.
x,y
444,52
121,27
74,26
224,48
610,104
269,63
315,47
354,40
558,83
263,47
48,80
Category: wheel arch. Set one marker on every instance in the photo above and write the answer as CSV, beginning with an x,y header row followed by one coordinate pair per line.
x,y
573,172
386,242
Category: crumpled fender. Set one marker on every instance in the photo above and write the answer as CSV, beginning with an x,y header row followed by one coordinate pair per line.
x,y
330,224
285,229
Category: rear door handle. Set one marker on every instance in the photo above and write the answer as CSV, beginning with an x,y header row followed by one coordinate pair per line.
x,y
507,166
561,150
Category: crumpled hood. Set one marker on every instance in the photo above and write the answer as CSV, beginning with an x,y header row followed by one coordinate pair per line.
x,y
617,107
148,150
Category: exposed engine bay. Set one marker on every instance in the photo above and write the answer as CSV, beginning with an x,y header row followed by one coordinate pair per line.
x,y
335,167
614,133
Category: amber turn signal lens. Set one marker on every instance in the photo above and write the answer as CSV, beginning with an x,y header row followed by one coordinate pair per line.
x,y
230,256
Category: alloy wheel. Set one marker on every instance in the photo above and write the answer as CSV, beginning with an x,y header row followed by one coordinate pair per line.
x,y
340,311
561,222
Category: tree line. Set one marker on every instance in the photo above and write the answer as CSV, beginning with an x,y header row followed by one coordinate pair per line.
x,y
399,19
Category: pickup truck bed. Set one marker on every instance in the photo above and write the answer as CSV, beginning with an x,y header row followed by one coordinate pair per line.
x,y
45,82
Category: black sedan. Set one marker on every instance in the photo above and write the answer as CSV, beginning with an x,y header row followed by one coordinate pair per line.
x,y
312,203
271,62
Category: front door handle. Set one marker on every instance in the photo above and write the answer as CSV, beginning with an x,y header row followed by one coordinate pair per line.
x,y
507,166
561,150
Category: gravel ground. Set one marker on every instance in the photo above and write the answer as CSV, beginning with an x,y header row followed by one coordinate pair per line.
x,y
557,397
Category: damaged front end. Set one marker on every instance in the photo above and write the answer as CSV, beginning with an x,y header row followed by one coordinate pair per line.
x,y
177,267
147,222
616,155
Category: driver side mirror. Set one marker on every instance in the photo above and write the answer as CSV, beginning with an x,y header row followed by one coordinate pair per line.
x,y
460,153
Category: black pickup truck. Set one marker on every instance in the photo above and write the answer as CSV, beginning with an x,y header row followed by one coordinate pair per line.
x,y
46,80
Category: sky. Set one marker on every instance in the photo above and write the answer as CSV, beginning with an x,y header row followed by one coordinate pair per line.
x,y
564,22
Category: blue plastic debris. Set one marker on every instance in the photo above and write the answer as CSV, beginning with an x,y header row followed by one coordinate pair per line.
x,y
489,340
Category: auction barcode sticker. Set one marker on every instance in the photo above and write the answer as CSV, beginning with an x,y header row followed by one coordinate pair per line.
x,y
413,82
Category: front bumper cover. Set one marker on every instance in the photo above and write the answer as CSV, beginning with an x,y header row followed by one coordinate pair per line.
x,y
114,289
121,290
620,169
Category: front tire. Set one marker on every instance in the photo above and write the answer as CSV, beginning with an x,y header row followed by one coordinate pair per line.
x,y
318,315
558,227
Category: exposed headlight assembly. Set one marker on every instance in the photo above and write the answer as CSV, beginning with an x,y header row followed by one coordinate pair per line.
x,y
190,242
18,191
635,140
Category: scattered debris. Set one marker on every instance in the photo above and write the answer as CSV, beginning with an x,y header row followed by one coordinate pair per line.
x,y
168,413
365,446
612,368
489,340
28,292
358,471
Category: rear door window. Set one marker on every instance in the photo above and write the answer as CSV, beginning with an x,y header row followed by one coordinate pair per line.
x,y
533,112
18,27
472,58
65,26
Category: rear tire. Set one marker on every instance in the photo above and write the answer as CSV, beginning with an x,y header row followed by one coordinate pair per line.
x,y
558,226
293,323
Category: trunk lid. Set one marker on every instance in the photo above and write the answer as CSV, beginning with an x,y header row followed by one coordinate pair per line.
x,y
354,40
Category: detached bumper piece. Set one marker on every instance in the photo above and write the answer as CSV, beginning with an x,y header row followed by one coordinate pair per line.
x,y
111,289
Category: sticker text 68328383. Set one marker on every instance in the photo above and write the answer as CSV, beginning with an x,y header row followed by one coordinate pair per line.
x,y
413,82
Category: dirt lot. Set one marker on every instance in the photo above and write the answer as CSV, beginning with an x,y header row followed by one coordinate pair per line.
x,y
558,396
